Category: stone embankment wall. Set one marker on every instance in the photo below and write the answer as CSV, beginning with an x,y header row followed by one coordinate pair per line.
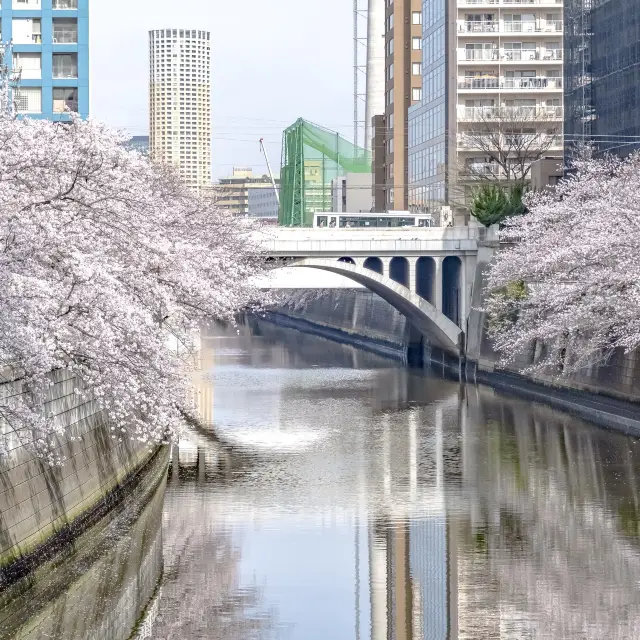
x,y
353,316
619,377
40,504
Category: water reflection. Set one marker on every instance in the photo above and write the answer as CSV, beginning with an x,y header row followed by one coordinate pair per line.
x,y
343,497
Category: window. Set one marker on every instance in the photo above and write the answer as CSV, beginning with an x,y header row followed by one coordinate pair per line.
x,y
416,17
65,31
390,72
416,43
65,65
64,99
416,68
68,4
390,97
28,100
390,47
390,22
416,94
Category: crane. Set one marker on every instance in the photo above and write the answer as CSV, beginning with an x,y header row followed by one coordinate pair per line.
x,y
273,182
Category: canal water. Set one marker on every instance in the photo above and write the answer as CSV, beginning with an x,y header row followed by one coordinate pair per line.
x,y
342,496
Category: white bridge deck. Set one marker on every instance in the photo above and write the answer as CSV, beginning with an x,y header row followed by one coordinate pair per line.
x,y
406,242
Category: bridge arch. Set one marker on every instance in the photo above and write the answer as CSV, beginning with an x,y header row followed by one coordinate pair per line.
x,y
374,264
443,333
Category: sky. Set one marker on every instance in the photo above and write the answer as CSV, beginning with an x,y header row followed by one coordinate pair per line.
x,y
272,61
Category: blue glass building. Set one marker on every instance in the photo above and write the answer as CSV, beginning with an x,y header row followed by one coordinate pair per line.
x,y
50,41
602,74
428,120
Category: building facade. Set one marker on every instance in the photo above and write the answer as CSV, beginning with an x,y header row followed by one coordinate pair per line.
x,y
50,46
233,192
602,74
403,88
352,192
180,103
139,143
492,100
263,203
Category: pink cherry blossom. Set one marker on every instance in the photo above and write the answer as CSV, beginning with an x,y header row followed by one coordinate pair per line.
x,y
566,286
107,262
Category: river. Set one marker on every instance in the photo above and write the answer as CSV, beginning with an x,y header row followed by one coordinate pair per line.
x,y
353,499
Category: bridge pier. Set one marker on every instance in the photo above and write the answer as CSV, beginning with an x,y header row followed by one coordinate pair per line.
x,y
412,274
437,283
386,267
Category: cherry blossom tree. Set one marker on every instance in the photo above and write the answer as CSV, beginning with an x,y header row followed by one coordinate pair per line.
x,y
107,264
566,290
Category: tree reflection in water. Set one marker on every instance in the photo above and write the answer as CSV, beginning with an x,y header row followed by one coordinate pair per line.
x,y
202,595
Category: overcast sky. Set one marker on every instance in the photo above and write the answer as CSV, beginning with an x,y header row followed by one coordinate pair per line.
x,y
272,62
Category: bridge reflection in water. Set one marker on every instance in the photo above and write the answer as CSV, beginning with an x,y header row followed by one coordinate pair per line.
x,y
349,498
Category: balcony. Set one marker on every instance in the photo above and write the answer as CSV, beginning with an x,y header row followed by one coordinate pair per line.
x,y
479,26
540,27
509,55
483,169
27,4
65,65
65,31
27,31
510,84
65,100
504,113
540,140
475,3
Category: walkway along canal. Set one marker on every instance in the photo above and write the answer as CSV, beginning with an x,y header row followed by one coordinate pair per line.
x,y
358,500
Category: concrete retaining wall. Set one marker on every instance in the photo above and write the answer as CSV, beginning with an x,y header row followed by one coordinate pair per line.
x,y
608,394
354,316
39,502
617,378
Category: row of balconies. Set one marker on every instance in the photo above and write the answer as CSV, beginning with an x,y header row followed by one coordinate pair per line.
x,y
542,83
514,113
533,27
35,5
510,3
497,54
510,141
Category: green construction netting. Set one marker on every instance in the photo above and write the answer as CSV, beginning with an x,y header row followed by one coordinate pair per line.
x,y
312,157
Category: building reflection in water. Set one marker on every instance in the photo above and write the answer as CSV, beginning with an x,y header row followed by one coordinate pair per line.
x,y
473,516
442,511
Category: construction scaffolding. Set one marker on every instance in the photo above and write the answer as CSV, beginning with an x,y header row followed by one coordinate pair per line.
x,y
312,157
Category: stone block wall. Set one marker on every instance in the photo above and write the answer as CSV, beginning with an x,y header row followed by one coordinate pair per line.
x,y
37,500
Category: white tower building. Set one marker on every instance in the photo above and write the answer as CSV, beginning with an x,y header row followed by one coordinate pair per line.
x,y
375,67
180,102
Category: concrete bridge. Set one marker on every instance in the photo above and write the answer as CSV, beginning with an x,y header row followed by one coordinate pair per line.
x,y
425,273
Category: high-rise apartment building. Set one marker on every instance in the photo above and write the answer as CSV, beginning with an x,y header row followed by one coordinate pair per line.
x,y
180,102
50,43
602,74
492,98
403,87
